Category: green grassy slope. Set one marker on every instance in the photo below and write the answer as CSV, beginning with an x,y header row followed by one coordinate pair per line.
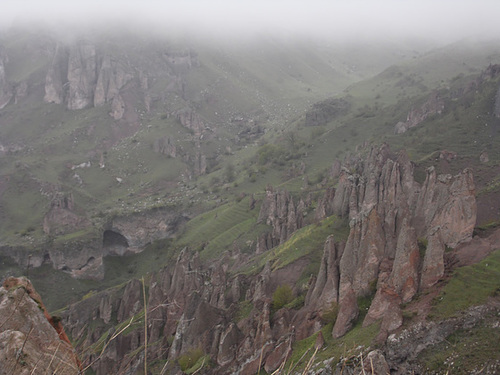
x,y
268,84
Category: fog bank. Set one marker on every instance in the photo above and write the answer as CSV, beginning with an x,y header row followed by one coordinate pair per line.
x,y
444,20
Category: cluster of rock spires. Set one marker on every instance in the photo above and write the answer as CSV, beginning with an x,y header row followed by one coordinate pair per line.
x,y
279,211
81,76
399,232
389,213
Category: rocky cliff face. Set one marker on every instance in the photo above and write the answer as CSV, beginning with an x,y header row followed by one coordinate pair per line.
x,y
399,230
5,89
31,341
130,233
389,212
62,218
191,307
80,77
325,111
279,211
497,104
82,257
433,105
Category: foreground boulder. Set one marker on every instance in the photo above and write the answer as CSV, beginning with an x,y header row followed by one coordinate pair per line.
x,y
31,341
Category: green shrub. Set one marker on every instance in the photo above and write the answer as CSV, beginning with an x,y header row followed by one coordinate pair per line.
x,y
188,359
244,310
296,303
282,296
329,315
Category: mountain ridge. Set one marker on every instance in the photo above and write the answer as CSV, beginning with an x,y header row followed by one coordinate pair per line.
x,y
225,184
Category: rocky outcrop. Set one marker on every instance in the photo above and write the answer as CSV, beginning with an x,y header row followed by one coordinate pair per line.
x,y
112,76
388,212
403,348
433,105
80,257
325,111
181,61
326,286
192,121
31,340
447,202
78,248
56,78
62,218
325,204
82,75
166,146
496,110
130,233
284,216
190,306
5,88
200,164
195,306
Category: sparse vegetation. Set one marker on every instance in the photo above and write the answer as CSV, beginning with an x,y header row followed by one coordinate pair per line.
x,y
254,121
282,296
190,359
469,286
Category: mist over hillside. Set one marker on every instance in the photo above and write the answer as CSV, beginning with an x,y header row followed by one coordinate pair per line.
x,y
234,188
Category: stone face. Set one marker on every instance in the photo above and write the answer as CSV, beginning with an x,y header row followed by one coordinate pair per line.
x,y
375,364
5,88
82,75
61,218
387,212
117,107
165,146
192,121
195,305
433,262
497,104
483,157
28,333
228,345
405,277
325,111
448,202
280,212
112,77
433,105
348,311
57,77
326,287
139,229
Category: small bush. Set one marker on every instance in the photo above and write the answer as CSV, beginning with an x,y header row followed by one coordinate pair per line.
x,y
244,310
296,303
282,296
329,315
188,360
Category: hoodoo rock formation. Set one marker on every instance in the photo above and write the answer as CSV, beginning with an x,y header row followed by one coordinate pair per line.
x,y
388,212
399,230
279,211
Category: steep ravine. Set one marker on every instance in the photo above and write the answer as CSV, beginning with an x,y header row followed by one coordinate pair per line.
x,y
401,235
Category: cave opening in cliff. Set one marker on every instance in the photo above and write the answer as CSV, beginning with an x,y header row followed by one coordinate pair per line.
x,y
114,243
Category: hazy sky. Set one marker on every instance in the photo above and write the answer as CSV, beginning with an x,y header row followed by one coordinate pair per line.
x,y
446,19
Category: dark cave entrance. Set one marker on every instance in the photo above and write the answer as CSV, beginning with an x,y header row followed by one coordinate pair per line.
x,y
114,243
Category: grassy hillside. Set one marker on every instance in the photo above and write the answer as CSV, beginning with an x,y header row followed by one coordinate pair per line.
x,y
253,97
